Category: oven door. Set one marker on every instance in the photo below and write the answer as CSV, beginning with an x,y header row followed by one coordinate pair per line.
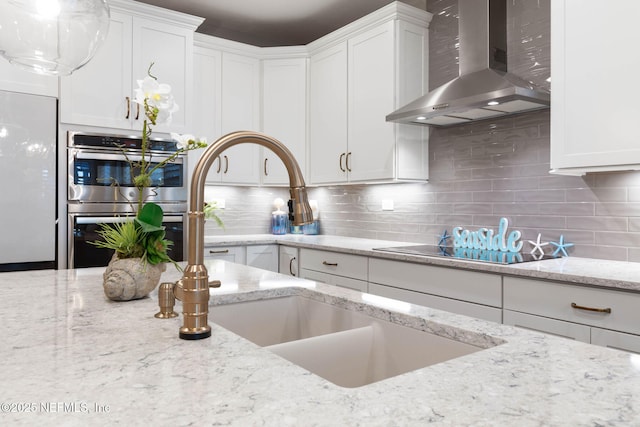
x,y
104,176
84,229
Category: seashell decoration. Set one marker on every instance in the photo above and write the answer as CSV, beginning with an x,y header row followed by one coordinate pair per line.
x,y
129,279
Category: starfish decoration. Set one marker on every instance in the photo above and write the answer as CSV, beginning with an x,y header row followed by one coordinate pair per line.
x,y
442,241
537,245
561,246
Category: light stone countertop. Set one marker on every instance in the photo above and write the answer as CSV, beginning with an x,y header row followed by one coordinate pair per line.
x,y
74,358
584,271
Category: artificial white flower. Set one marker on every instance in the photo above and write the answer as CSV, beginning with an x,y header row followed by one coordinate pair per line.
x,y
188,141
182,140
157,95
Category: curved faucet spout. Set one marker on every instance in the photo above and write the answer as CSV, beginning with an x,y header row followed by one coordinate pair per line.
x,y
194,286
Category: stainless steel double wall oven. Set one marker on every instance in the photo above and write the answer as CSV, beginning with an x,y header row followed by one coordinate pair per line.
x,y
100,190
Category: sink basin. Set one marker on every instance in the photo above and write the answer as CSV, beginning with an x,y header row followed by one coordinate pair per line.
x,y
346,347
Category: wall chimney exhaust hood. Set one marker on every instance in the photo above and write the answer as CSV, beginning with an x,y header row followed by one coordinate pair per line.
x,y
484,88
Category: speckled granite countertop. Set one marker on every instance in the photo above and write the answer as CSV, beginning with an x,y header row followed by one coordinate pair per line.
x,y
71,357
585,271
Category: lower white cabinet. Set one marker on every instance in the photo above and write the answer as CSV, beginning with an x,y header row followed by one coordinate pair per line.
x,y
331,279
263,256
235,254
599,316
447,304
333,268
459,291
260,256
289,261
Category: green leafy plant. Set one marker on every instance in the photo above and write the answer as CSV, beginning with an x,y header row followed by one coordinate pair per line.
x,y
144,237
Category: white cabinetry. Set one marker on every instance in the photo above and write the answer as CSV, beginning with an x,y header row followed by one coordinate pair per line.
x,y
328,115
459,291
357,77
236,254
259,256
346,270
284,114
227,79
101,93
289,261
594,101
263,256
600,316
14,79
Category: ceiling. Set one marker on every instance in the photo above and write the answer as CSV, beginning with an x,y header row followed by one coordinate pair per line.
x,y
275,22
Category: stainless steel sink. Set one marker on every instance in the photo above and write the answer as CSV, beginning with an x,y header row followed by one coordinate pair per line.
x,y
346,347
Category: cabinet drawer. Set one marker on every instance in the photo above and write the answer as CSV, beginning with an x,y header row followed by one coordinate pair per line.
x,y
480,288
346,265
330,279
227,253
548,326
554,300
446,304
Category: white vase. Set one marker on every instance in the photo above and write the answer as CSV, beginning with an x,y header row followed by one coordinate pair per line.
x,y
131,278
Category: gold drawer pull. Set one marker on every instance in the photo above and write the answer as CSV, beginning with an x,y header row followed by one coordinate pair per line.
x,y
330,264
223,251
597,310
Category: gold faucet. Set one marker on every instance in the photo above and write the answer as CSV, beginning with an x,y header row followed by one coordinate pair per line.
x,y
193,288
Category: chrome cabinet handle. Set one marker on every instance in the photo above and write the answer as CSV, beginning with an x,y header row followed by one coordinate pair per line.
x,y
221,251
226,164
128,100
265,166
330,264
291,266
342,157
348,161
597,310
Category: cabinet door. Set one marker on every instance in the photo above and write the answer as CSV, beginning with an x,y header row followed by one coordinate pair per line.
x,y
240,111
99,94
595,108
170,49
263,256
288,261
371,152
560,328
14,79
284,88
207,78
617,340
328,115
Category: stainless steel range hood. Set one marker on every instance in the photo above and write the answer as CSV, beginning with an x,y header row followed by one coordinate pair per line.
x,y
484,88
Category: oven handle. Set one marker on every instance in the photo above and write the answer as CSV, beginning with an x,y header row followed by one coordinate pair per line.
x,y
119,219
92,155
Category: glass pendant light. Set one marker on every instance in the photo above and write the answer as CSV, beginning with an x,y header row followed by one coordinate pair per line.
x,y
54,37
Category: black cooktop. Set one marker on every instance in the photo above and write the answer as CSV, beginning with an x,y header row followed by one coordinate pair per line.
x,y
481,255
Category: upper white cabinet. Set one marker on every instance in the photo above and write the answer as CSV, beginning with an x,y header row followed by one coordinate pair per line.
x,y
357,76
227,80
14,79
101,93
284,114
594,94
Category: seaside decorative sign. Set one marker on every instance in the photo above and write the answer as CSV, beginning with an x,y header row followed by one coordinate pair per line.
x,y
487,239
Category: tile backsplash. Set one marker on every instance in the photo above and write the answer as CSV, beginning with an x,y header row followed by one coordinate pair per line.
x,y
478,172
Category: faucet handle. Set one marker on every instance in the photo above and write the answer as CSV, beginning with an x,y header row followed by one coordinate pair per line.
x,y
166,301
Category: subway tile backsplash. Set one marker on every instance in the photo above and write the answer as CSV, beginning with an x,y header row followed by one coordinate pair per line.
x,y
478,172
